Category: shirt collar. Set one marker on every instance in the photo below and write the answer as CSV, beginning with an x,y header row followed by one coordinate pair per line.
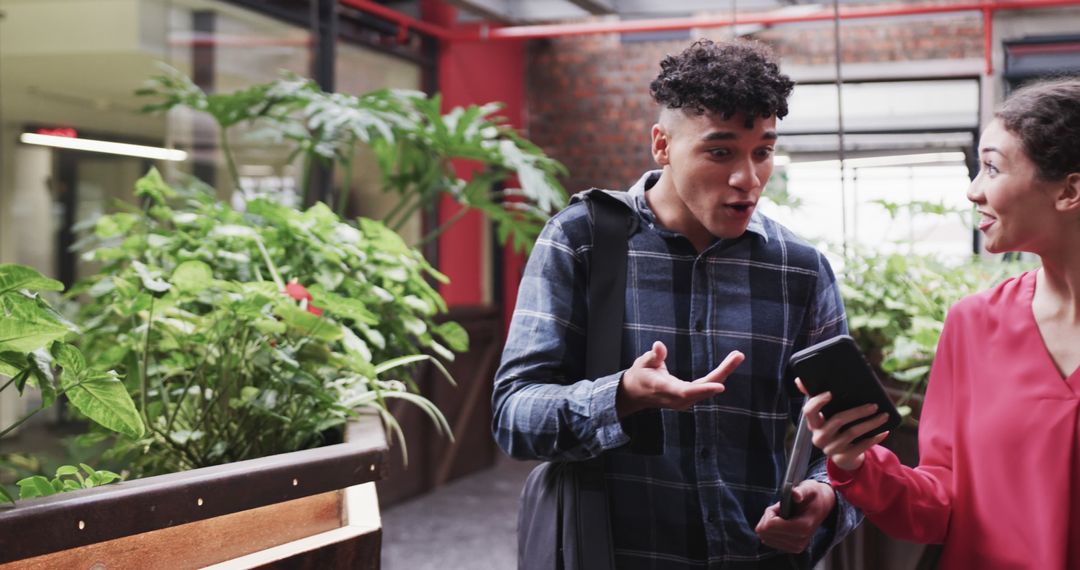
x,y
649,179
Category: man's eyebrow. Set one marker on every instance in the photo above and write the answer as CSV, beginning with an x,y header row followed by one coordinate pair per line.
x,y
720,136
730,135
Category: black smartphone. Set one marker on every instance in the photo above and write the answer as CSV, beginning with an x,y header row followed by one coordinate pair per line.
x,y
836,365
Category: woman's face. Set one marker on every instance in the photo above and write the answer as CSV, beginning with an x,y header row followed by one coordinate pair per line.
x,y
1016,207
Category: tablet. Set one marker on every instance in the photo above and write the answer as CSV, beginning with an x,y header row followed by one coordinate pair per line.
x,y
798,461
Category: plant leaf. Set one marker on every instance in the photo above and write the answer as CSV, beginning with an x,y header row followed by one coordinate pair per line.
x,y
192,276
26,325
36,486
150,279
66,470
101,396
455,336
153,186
14,277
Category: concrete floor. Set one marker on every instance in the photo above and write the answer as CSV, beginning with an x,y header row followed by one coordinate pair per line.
x,y
468,524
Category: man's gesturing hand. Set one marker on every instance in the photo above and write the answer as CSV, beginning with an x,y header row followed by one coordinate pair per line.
x,y
647,384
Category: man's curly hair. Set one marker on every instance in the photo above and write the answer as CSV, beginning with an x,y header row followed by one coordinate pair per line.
x,y
725,79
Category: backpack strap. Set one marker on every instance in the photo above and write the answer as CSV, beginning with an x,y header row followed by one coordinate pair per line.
x,y
613,221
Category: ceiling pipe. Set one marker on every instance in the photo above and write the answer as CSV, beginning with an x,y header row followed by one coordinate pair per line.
x,y
406,22
667,24
987,8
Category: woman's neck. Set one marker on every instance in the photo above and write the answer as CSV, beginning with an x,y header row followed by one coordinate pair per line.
x,y
1059,283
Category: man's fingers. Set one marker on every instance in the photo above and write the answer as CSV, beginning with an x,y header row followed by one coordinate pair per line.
x,y
721,372
660,351
687,394
654,357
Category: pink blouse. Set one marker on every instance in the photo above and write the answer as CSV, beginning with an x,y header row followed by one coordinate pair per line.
x,y
999,443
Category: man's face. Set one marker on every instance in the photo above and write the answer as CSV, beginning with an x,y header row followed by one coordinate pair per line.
x,y
718,166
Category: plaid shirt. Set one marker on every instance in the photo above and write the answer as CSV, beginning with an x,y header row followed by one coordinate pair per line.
x,y
694,500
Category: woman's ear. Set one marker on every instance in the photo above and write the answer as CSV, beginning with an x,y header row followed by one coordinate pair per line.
x,y
1068,199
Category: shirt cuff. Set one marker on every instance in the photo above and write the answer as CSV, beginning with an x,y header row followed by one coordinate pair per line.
x,y
840,477
609,430
840,523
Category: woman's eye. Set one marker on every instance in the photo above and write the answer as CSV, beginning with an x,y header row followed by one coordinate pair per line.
x,y
989,167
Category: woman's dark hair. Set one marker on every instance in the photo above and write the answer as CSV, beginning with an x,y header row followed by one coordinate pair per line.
x,y
726,79
1045,116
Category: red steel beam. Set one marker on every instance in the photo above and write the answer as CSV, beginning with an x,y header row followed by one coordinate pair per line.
x,y
553,30
517,33
987,7
404,21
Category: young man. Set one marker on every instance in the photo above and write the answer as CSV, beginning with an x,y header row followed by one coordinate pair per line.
x,y
718,297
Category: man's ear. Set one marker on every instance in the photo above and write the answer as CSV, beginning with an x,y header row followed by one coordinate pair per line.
x,y
660,145
1068,198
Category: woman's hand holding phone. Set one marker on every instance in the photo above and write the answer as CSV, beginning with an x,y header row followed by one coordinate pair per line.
x,y
839,444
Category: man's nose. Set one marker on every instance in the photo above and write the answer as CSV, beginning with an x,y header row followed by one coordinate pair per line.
x,y
744,176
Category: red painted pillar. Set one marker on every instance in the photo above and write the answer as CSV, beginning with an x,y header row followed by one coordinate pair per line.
x,y
474,73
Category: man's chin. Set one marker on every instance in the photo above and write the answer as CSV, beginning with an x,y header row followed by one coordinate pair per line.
x,y
728,231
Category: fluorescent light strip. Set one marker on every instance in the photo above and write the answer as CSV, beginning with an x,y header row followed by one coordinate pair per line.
x,y
152,152
888,160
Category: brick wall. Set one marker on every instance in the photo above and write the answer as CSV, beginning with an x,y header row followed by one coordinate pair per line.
x,y
588,97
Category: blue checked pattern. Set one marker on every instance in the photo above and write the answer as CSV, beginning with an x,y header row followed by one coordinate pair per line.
x,y
695,504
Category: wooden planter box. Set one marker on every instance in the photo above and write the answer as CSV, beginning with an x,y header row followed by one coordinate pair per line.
x,y
315,508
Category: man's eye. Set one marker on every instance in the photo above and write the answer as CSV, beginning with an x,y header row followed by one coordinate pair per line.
x,y
764,153
719,152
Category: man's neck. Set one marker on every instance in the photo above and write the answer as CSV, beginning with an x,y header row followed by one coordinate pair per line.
x,y
673,214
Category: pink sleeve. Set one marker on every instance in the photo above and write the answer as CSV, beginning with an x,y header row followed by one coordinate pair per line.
x,y
912,504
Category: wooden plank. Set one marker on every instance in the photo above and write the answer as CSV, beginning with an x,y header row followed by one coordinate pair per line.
x,y
479,389
198,544
350,548
355,545
70,520
466,407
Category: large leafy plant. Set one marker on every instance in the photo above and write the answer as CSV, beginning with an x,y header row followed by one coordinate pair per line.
x,y
414,143
243,334
34,351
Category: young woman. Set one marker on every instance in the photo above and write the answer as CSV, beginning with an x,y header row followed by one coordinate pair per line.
x,y
999,438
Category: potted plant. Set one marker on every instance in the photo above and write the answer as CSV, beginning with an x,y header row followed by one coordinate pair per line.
x,y
237,335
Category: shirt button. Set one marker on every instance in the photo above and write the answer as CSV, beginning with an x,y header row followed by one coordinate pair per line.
x,y
704,451
711,518
699,326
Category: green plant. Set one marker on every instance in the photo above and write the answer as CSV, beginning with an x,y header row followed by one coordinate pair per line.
x,y
896,306
413,141
68,478
226,358
34,351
